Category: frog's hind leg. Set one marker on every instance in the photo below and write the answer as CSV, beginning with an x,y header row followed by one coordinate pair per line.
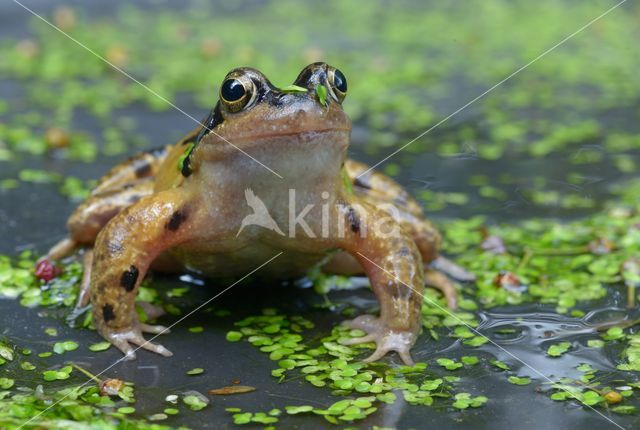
x,y
455,271
61,249
439,281
377,187
93,214
87,220
122,186
345,264
144,165
385,193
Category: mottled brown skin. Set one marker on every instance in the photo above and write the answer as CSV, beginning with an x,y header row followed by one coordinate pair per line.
x,y
149,211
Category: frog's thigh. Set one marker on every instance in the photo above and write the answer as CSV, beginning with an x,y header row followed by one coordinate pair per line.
x,y
141,166
385,193
424,234
379,187
92,215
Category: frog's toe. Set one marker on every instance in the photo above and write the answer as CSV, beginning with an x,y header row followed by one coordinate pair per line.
x,y
386,339
150,346
153,329
399,342
366,323
123,340
358,340
444,284
123,345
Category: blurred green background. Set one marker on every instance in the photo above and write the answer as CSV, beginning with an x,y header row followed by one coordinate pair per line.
x,y
409,65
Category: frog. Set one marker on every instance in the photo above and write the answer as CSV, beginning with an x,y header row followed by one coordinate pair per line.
x,y
200,205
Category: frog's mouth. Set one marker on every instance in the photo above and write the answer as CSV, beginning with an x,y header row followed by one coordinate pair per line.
x,y
301,135
275,140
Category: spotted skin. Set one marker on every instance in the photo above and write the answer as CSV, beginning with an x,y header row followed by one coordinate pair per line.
x,y
182,206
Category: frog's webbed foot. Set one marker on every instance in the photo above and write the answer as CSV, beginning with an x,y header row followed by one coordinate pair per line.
x,y
151,311
386,339
122,339
85,284
441,282
448,267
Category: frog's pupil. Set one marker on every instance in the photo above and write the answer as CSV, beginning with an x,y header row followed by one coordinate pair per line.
x,y
340,81
232,90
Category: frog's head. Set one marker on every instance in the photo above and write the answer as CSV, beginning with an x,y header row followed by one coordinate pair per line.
x,y
303,122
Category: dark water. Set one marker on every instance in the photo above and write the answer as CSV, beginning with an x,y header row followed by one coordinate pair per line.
x,y
33,217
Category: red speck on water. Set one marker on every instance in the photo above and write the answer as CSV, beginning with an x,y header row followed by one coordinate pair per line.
x,y
46,270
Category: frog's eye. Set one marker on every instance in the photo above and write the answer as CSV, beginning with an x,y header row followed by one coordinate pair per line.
x,y
337,84
237,93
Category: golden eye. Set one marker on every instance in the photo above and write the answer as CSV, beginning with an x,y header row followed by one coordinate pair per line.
x,y
337,84
237,93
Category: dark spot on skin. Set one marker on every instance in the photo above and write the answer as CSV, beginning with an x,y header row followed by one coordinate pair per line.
x,y
134,199
404,252
107,313
354,219
176,220
102,287
142,168
129,278
360,183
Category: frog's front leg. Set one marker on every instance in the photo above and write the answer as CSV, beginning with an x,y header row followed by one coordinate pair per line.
x,y
393,264
123,251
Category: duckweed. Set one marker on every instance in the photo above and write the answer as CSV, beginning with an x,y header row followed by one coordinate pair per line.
x,y
100,346
195,402
558,349
518,380
62,347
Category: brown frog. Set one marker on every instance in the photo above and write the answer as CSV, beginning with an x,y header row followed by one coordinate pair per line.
x,y
220,202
